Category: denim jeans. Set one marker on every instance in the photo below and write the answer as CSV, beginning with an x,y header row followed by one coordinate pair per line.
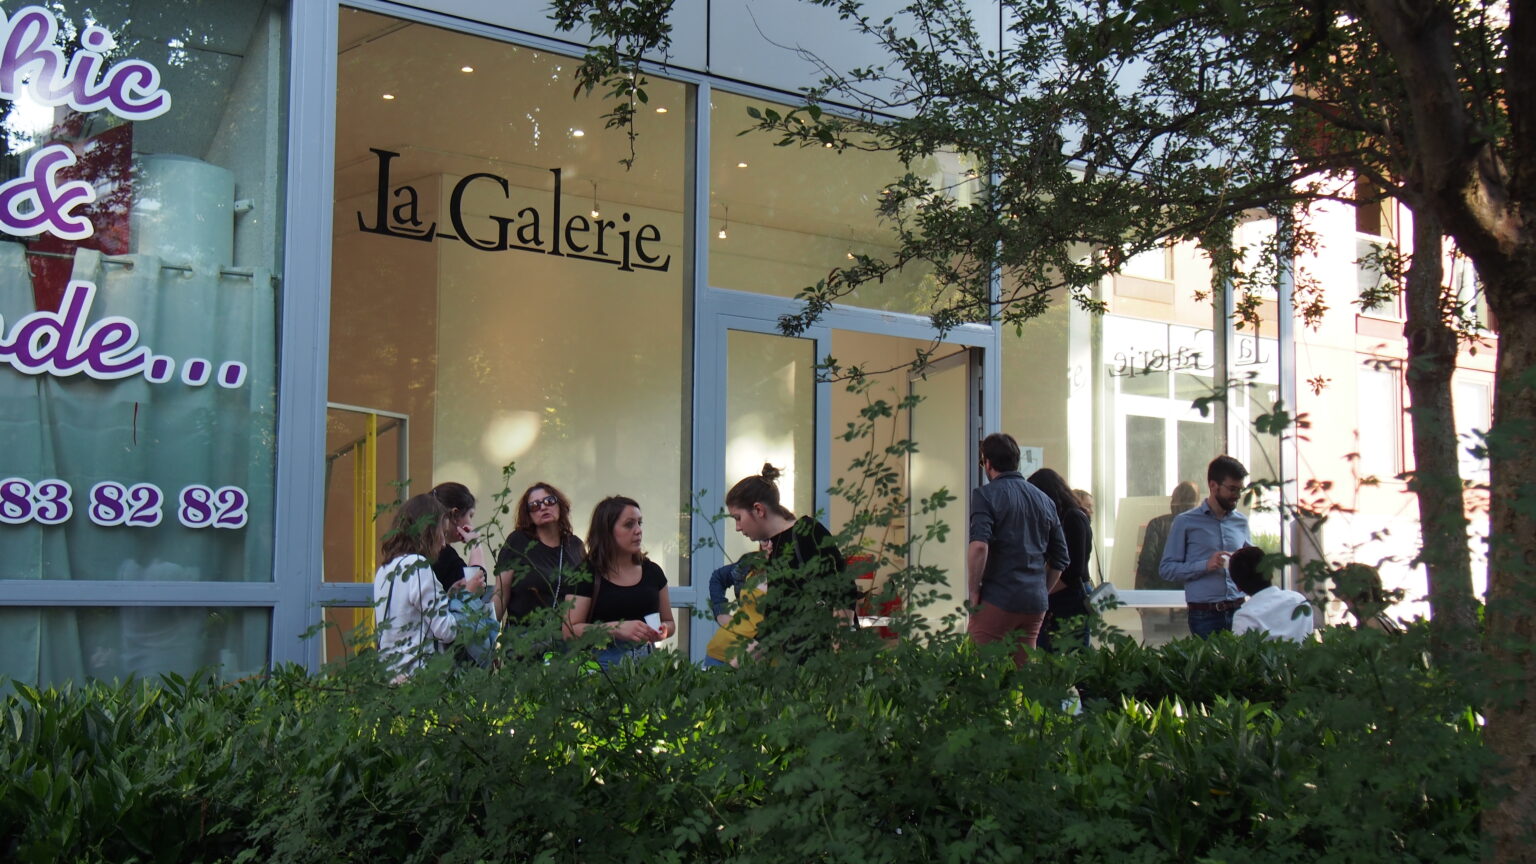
x,y
1203,623
615,653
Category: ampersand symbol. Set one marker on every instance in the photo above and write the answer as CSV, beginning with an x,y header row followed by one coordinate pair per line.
x,y
51,206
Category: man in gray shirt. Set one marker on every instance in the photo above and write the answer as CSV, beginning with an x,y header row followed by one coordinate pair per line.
x,y
1016,554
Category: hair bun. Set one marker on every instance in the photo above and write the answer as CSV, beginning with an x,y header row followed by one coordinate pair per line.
x,y
770,473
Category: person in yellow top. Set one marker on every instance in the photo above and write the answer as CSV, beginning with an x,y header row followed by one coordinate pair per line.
x,y
738,623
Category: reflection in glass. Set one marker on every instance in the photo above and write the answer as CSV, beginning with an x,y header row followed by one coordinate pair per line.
x,y
185,236
770,416
49,646
797,213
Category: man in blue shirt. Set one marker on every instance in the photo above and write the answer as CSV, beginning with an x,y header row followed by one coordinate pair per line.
x,y
1201,541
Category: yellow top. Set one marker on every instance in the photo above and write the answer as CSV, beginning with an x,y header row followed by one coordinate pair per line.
x,y
744,622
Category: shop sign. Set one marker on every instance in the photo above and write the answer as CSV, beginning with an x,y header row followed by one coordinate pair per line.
x,y
32,61
622,243
1192,353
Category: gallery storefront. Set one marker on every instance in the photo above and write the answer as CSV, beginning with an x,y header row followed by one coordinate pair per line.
x,y
361,248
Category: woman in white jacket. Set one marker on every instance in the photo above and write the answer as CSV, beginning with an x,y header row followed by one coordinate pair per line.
x,y
410,611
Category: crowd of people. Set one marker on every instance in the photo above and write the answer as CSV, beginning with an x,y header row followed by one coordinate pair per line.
x,y
604,591
1027,571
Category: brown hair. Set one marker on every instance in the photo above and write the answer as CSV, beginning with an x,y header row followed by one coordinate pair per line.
x,y
601,556
759,489
525,516
1184,497
1001,451
456,497
418,529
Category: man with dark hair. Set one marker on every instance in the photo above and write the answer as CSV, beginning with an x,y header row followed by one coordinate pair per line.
x,y
1275,612
1017,551
1200,542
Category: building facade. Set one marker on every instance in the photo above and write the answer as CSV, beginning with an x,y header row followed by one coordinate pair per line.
x,y
269,265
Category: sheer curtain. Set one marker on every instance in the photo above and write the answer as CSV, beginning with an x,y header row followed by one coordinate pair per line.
x,y
172,435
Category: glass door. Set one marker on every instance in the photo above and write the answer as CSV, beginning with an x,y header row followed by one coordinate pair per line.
x,y
945,428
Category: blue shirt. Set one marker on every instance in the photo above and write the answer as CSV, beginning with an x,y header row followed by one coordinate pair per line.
x,y
1195,535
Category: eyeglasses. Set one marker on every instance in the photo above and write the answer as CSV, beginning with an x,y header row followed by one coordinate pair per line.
x,y
541,503
1230,489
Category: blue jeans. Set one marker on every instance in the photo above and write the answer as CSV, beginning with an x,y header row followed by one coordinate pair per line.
x,y
1204,622
712,663
615,653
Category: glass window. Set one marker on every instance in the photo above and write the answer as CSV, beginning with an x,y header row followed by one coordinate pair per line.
x,y
1473,409
149,454
770,417
504,291
49,646
1151,264
1380,420
783,218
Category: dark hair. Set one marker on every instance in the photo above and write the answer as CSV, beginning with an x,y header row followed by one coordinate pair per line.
x,y
525,516
417,529
1243,567
1001,451
1184,497
600,552
1055,488
1224,468
759,489
456,497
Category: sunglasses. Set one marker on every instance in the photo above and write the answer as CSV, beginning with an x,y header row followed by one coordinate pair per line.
x,y
541,503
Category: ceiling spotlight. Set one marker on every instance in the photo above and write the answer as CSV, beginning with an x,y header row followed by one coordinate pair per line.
x,y
828,145
577,133
389,97
466,68
741,164
596,213
661,110
724,222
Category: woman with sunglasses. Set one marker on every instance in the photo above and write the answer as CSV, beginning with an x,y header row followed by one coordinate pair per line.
x,y
534,566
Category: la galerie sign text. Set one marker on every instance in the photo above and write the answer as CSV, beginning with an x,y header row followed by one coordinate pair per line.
x,y
606,241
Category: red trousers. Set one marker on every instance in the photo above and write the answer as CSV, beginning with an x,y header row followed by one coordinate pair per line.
x,y
991,624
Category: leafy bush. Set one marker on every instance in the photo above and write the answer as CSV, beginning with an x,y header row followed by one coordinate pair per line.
x,y
1354,749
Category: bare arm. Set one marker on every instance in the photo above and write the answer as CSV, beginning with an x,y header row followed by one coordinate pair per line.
x,y
975,565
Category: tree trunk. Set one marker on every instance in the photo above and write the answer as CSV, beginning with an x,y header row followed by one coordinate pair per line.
x,y
1442,513
1510,673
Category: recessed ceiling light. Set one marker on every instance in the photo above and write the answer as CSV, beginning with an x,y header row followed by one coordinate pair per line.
x,y
466,68
661,110
389,97
741,164
577,133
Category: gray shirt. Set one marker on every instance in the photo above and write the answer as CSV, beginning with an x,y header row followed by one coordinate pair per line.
x,y
1023,534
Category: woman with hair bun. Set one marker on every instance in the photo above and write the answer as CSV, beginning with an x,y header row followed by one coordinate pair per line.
x,y
450,566
808,596
626,587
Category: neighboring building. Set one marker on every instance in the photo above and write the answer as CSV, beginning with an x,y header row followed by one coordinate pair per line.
x,y
378,242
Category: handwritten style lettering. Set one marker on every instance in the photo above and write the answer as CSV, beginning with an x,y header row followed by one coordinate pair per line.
x,y
62,343
36,201
31,59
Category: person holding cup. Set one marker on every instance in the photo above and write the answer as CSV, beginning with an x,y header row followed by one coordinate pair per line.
x,y
1201,541
626,596
451,568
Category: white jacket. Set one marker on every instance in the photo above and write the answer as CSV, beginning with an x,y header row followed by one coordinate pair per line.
x,y
1273,613
415,619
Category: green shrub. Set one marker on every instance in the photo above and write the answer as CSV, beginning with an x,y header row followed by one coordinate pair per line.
x,y
1233,749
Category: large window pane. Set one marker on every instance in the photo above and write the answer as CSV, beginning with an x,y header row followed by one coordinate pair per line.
x,y
503,284
160,469
782,218
770,417
50,646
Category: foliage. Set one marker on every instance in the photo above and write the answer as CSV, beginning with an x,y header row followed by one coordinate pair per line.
x,y
1353,749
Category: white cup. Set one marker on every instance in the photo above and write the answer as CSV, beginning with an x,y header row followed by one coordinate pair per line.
x,y
653,621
